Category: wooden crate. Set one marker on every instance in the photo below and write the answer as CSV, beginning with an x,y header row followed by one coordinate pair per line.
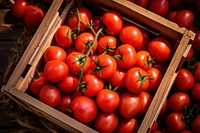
x,y
21,77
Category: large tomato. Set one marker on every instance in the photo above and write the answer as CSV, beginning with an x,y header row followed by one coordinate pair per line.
x,y
195,91
145,99
184,18
97,23
129,125
19,7
195,125
159,7
84,109
64,104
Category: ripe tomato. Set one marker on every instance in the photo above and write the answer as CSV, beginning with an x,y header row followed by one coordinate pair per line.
x,y
18,8
113,22
64,104
161,66
184,18
195,125
196,42
190,54
160,49
84,109
164,108
145,42
64,36
131,35
136,80
91,85
54,53
107,96
125,56
97,23
106,122
142,3
129,125
185,131
55,70
195,91
129,105
38,81
73,21
171,15
50,95
145,99
159,7
184,80
69,84
33,16
196,74
178,100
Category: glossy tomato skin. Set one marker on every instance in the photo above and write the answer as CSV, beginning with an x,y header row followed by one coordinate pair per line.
x,y
129,125
56,70
195,125
33,16
84,109
145,99
50,95
106,122
113,22
131,35
159,7
133,80
64,104
195,91
184,18
18,8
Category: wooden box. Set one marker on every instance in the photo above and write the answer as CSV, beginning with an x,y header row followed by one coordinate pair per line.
x,y
24,71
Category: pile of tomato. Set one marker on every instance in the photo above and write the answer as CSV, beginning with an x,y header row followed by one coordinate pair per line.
x,y
103,71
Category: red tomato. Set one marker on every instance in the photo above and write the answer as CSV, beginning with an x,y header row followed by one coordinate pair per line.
x,y
107,96
145,99
129,105
129,125
196,42
174,122
145,42
64,36
160,49
84,109
64,104
161,66
164,108
54,53
196,74
97,23
38,81
91,85
33,16
125,56
190,54
195,125
69,84
113,22
184,18
185,131
106,122
142,3
159,7
131,35
56,70
171,15
184,80
178,100
136,80
19,7
50,95
195,91
154,126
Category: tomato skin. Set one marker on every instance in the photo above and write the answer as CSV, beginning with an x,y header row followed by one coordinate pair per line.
x,y
129,125
18,8
113,22
174,4
190,54
64,104
196,74
195,91
131,35
107,96
106,122
195,125
142,3
129,105
171,15
159,7
196,42
50,95
33,16
178,100
161,66
97,23
54,53
84,109
184,18
145,99
133,80
56,70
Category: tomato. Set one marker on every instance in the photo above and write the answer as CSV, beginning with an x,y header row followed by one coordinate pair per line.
x,y
69,84
145,42
131,35
64,36
145,99
75,62
97,23
91,85
164,108
196,42
196,73
178,100
174,4
185,131
73,21
136,80
38,81
84,41
161,66
195,125
184,18
159,7
171,15
190,54
129,125
195,91
84,109
155,79
125,56
54,53
129,105
160,49
154,127
144,60
184,80
50,95
107,96
64,104
142,3
113,22
33,16
174,122
106,122
104,66
18,8
55,70
107,44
